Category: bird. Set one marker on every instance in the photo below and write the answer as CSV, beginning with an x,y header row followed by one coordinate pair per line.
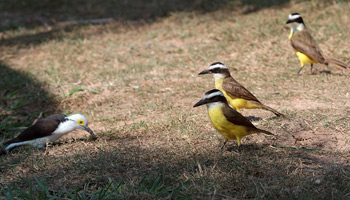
x,y
226,120
48,129
237,96
305,45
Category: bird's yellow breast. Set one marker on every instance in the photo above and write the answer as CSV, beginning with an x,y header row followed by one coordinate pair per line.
x,y
225,127
304,59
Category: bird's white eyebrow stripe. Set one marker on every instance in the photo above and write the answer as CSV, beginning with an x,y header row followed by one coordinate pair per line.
x,y
292,17
208,96
217,66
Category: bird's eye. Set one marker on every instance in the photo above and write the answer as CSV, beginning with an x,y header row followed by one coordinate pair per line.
x,y
81,122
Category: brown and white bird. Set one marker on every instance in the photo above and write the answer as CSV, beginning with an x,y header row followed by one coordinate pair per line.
x,y
48,129
226,120
237,96
305,46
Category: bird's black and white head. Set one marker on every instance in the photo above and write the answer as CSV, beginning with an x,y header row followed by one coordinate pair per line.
x,y
72,122
296,21
218,69
212,98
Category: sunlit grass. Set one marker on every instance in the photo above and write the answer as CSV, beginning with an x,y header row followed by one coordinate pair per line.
x,y
137,84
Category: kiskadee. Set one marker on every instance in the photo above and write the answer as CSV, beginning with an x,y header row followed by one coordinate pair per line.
x,y
237,96
305,46
47,130
226,120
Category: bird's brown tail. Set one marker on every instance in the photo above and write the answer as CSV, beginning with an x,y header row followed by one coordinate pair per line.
x,y
266,132
5,144
2,151
13,140
273,110
337,62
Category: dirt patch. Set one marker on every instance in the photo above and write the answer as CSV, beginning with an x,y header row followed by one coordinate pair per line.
x,y
321,139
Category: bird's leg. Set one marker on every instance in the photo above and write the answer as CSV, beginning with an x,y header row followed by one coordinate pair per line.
x,y
222,147
238,141
239,144
311,65
300,70
239,149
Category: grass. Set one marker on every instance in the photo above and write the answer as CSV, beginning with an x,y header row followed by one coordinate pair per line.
x,y
136,82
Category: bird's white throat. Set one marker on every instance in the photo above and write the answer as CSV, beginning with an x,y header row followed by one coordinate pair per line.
x,y
218,75
297,27
214,105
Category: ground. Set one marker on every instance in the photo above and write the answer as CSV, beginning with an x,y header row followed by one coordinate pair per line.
x,y
136,80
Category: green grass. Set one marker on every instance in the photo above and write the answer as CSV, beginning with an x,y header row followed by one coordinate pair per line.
x,y
153,188
136,82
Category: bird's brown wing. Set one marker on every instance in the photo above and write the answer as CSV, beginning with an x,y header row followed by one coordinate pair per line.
x,y
43,127
236,118
302,41
233,88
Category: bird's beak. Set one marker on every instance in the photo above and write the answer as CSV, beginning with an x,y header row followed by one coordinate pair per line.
x,y
90,131
204,72
199,103
289,21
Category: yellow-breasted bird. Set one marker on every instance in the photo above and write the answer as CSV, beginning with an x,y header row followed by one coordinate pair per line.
x,y
237,96
227,121
305,46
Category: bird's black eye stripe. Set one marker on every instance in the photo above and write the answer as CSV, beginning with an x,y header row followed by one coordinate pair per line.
x,y
217,99
218,70
299,20
215,70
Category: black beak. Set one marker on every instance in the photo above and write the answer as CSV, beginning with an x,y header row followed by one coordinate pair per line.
x,y
199,103
204,72
90,131
289,21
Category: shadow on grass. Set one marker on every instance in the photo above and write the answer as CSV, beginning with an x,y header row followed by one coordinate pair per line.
x,y
38,13
62,10
22,99
37,38
258,172
253,118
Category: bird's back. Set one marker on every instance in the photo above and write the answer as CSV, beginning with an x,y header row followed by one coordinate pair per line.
x,y
43,127
303,42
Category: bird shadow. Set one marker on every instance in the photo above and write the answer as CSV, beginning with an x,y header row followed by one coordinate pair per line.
x,y
253,118
332,73
70,141
325,72
245,147
48,145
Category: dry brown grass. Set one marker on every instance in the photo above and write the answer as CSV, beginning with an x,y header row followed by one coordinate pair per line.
x,y
139,84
